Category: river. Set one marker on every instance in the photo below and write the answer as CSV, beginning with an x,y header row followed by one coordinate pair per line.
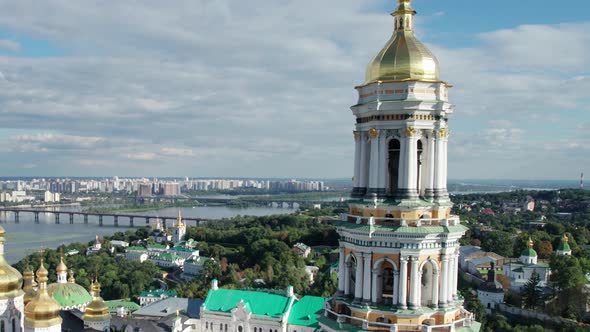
x,y
27,237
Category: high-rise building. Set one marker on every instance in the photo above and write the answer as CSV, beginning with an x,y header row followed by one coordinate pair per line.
x,y
399,256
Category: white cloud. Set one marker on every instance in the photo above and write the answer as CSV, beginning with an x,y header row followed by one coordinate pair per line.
x,y
232,89
9,45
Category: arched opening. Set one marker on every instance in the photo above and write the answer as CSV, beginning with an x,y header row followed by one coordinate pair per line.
x,y
240,328
383,320
419,170
13,325
428,284
352,265
384,281
393,165
2,327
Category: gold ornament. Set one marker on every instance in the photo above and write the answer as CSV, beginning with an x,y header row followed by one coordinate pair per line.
x,y
411,131
356,135
443,132
373,133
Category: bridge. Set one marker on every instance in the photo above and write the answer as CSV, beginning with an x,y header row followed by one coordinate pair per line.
x,y
116,217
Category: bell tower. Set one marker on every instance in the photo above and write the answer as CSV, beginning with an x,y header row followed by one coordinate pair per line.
x,y
399,243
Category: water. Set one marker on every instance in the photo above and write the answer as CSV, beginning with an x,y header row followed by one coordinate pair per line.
x,y
27,237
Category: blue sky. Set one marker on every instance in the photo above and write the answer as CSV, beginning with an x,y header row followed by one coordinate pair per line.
x,y
224,88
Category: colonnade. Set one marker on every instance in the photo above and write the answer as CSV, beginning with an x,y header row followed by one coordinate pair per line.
x,y
407,280
371,163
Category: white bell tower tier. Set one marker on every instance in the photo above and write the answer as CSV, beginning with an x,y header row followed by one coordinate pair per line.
x,y
399,243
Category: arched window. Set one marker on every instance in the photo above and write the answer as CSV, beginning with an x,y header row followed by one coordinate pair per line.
x,y
13,325
419,165
2,328
220,327
225,327
206,325
255,329
240,328
393,165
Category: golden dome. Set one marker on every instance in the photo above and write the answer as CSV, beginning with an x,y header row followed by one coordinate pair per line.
x,y
96,310
29,285
43,310
61,267
10,279
404,57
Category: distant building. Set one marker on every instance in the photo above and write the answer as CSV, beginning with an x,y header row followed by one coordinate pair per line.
x,y
193,267
151,296
312,272
564,247
178,229
302,249
144,190
491,292
96,247
49,197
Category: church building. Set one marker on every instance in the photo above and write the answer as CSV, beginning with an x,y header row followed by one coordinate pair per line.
x,y
399,242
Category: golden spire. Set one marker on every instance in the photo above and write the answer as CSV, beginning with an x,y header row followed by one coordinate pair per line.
x,y
71,279
179,220
29,284
404,16
43,310
530,243
565,239
96,310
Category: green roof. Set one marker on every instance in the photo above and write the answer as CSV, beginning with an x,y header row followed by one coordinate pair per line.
x,y
305,311
130,306
529,252
135,248
156,246
158,293
198,261
564,246
69,294
259,303
167,257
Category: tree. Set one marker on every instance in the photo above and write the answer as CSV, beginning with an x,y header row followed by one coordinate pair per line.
x,y
544,249
499,242
532,293
567,272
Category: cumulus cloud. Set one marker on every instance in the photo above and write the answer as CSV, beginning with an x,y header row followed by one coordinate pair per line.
x,y
236,90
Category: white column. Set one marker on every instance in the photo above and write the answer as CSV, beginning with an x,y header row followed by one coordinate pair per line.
x,y
383,152
341,270
415,283
395,295
441,167
410,179
403,283
358,286
435,288
363,160
374,161
451,278
375,281
401,182
444,281
347,278
445,163
367,277
430,166
455,276
357,161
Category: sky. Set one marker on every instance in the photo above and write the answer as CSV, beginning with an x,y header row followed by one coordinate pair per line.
x,y
228,88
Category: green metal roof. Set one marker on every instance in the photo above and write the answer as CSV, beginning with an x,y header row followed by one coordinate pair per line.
x,y
259,303
69,294
529,252
305,311
130,306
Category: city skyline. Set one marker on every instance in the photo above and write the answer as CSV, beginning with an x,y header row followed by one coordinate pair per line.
x,y
143,91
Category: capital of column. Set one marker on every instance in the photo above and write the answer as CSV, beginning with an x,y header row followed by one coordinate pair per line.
x,y
356,135
373,133
410,132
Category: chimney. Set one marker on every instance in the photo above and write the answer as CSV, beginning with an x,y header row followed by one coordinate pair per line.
x,y
290,291
214,285
492,273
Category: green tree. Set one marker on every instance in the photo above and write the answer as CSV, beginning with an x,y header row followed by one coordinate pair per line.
x,y
566,272
532,293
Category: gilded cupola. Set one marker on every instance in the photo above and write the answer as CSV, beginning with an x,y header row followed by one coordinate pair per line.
x,y
10,279
404,57
96,310
29,285
43,310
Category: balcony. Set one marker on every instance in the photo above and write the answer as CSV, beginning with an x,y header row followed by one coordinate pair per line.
x,y
400,222
333,322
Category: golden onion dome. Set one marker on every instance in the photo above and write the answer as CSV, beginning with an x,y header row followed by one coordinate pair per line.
x,y
10,279
61,267
404,57
43,310
97,310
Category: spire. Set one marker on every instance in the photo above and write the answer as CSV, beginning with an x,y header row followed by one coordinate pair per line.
x,y
404,16
96,310
530,243
565,239
179,220
43,310
71,279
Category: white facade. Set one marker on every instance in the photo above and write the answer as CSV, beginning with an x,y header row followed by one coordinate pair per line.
x,y
139,256
11,314
490,299
101,325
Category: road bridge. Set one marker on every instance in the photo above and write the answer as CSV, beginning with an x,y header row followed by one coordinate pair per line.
x,y
133,220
